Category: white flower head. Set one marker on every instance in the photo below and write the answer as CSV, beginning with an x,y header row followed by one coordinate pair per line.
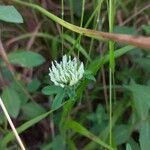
x,y
66,73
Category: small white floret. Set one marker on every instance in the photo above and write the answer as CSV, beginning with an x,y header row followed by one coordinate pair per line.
x,y
66,73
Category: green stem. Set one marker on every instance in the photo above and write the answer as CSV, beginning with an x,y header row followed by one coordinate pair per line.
x,y
71,13
111,65
82,14
110,106
65,115
96,22
86,25
114,90
62,28
142,42
81,23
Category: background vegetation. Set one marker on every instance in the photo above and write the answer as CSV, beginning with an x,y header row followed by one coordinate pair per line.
x,y
110,108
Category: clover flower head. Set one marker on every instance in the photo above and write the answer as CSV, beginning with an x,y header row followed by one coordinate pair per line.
x,y
66,73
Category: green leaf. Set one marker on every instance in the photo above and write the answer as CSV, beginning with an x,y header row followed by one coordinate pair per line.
x,y
54,46
6,73
58,143
88,75
51,89
134,144
33,85
141,99
76,6
10,14
125,30
119,110
144,62
2,117
145,135
57,101
19,87
11,101
128,147
10,136
27,59
121,134
96,64
70,91
32,110
75,126
77,45
47,146
146,28
71,144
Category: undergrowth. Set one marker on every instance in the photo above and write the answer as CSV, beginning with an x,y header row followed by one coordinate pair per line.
x,y
103,104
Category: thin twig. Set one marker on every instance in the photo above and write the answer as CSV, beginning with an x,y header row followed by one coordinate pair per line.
x,y
29,45
105,89
11,69
5,58
32,39
11,124
134,15
138,41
